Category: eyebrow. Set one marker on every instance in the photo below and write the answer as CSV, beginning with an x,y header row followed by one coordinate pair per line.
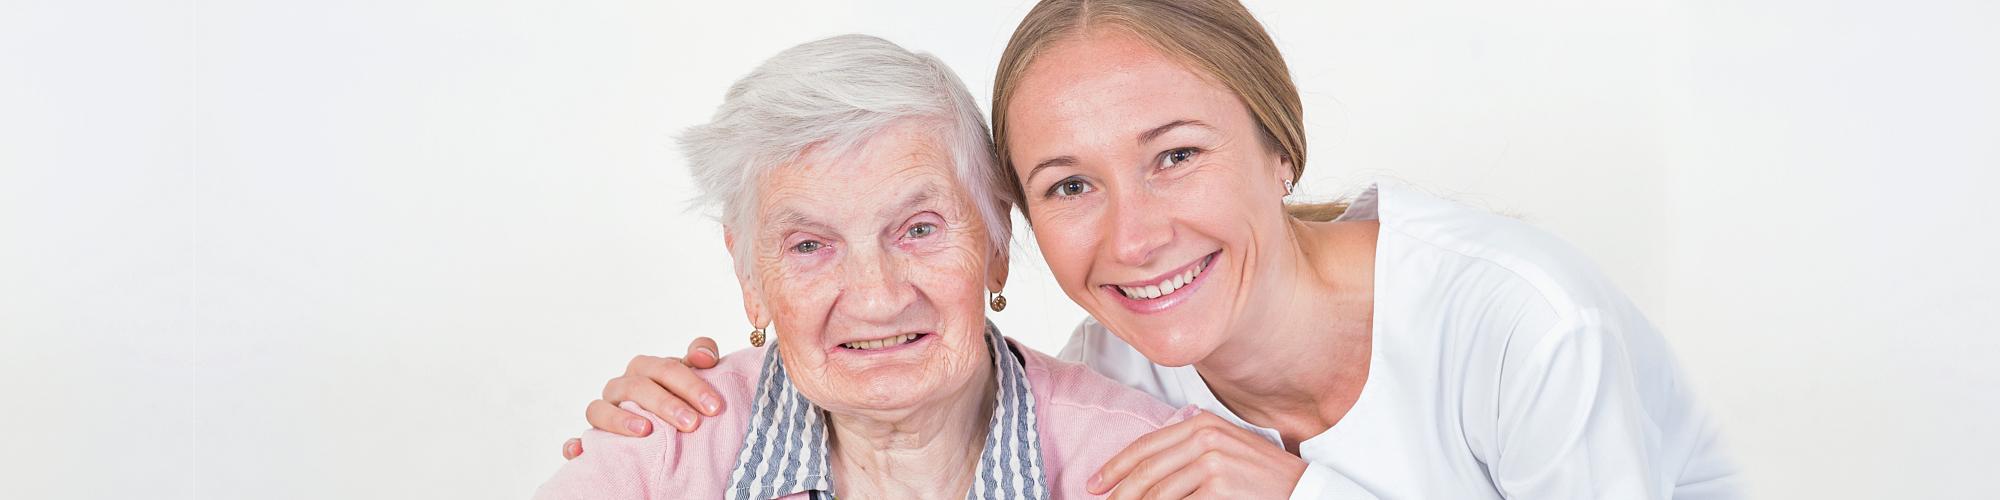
x,y
1149,136
1156,132
789,218
1059,161
923,195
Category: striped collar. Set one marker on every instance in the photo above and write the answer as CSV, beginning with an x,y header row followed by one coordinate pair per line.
x,y
786,451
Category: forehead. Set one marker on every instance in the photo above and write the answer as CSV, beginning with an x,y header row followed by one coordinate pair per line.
x,y
1111,76
885,170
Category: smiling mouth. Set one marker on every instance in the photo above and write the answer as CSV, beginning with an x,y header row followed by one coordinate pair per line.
x,y
870,345
1166,286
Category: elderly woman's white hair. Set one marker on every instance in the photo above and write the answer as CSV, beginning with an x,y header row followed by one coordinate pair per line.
x,y
828,97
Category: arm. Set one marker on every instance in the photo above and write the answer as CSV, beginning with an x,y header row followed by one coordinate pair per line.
x,y
1570,420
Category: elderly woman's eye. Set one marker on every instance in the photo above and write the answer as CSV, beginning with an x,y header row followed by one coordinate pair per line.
x,y
807,246
920,230
1069,187
1175,157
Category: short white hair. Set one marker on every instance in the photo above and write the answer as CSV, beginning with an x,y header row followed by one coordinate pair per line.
x,y
830,96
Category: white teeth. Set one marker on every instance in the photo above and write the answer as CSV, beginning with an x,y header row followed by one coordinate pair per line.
x,y
1165,286
880,343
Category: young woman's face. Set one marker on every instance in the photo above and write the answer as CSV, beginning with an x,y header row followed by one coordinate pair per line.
x,y
1151,191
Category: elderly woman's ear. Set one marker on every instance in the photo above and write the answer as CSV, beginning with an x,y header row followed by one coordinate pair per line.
x,y
753,296
996,272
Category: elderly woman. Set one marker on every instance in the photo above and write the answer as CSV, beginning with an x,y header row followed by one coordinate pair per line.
x,y
853,180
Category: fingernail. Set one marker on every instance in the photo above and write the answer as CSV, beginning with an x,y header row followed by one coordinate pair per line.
x,y
709,352
1092,483
571,447
685,418
708,404
637,426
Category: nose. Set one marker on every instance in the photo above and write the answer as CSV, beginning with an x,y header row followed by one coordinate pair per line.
x,y
875,291
1137,229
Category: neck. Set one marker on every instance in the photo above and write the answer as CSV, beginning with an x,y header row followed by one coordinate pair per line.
x,y
1298,361
930,452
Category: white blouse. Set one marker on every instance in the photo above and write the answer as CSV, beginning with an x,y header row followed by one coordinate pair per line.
x,y
1505,365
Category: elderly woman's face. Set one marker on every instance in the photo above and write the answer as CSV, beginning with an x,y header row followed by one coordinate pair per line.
x,y
873,267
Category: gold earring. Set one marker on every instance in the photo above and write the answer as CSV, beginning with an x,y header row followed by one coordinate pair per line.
x,y
757,338
998,303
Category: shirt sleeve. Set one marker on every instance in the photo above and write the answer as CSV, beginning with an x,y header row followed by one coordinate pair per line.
x,y
1323,483
614,466
1570,419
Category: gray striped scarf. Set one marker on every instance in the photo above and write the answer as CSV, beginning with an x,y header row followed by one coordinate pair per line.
x,y
786,451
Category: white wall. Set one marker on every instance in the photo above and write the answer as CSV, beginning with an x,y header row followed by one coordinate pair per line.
x,y
1832,242
390,249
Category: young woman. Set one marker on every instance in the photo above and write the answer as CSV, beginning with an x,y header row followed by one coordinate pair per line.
x,y
1410,348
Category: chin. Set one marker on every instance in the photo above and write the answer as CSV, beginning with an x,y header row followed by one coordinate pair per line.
x,y
1170,345
1172,356
881,389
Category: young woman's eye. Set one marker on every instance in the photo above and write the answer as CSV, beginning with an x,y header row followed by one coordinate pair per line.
x,y
1175,157
1069,187
807,246
920,230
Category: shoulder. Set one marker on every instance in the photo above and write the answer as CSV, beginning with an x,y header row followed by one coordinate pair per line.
x,y
1069,386
1102,352
1536,261
1084,419
1510,297
740,367
698,463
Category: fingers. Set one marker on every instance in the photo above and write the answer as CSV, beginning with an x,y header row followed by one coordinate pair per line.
x,y
1166,473
1189,480
1148,445
1202,457
572,448
674,376
665,375
613,419
653,398
701,354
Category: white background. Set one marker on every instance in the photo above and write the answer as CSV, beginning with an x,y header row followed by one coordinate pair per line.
x,y
390,249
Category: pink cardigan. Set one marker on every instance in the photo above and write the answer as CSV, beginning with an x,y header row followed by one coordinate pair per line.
x,y
1083,419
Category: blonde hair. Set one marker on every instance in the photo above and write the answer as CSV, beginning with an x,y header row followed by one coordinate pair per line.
x,y
1218,39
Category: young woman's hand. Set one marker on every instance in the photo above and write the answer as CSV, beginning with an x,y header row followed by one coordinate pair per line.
x,y
668,387
1201,457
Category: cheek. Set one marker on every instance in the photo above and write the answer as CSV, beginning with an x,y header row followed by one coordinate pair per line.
x,y
1232,203
799,302
1068,240
951,276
